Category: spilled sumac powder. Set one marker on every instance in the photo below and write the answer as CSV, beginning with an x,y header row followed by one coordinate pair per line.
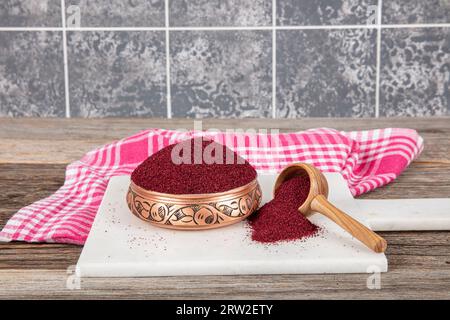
x,y
208,167
279,219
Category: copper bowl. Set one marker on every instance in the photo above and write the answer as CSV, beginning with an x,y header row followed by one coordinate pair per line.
x,y
194,211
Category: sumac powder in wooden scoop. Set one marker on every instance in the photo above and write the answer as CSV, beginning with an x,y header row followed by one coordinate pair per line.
x,y
311,197
279,219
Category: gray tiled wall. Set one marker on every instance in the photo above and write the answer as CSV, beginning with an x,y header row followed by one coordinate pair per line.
x,y
221,73
30,13
212,13
218,58
115,73
325,12
31,74
327,73
120,13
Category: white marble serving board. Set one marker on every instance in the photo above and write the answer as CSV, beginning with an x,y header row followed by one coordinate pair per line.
x,y
121,245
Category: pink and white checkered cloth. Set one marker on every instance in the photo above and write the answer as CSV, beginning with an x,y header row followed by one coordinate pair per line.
x,y
366,159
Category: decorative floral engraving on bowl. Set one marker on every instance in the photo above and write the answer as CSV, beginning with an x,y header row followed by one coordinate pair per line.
x,y
193,212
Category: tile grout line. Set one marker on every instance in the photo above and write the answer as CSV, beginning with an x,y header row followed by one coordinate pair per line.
x,y
378,59
65,59
167,45
274,60
218,28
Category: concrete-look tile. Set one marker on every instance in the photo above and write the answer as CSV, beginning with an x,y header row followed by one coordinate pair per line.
x,y
224,74
326,12
416,11
326,73
119,13
205,13
31,74
117,73
30,13
415,72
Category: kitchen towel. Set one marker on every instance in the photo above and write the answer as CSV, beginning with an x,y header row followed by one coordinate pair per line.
x,y
366,159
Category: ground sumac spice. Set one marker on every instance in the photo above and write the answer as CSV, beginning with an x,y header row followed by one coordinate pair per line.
x,y
208,167
280,219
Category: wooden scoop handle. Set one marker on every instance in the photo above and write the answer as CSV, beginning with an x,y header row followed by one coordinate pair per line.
x,y
356,229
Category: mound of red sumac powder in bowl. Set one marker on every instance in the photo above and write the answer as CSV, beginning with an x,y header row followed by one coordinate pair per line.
x,y
279,219
194,166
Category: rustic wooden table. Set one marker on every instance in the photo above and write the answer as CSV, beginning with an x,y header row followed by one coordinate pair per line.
x,y
33,156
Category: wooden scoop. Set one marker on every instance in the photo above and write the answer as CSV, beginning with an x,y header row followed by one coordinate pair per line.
x,y
317,202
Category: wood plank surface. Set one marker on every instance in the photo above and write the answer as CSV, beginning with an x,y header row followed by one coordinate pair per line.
x,y
48,140
33,156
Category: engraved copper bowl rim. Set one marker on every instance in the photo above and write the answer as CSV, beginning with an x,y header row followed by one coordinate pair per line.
x,y
216,206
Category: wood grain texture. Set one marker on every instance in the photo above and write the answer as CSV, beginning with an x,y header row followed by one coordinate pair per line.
x,y
30,140
33,156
